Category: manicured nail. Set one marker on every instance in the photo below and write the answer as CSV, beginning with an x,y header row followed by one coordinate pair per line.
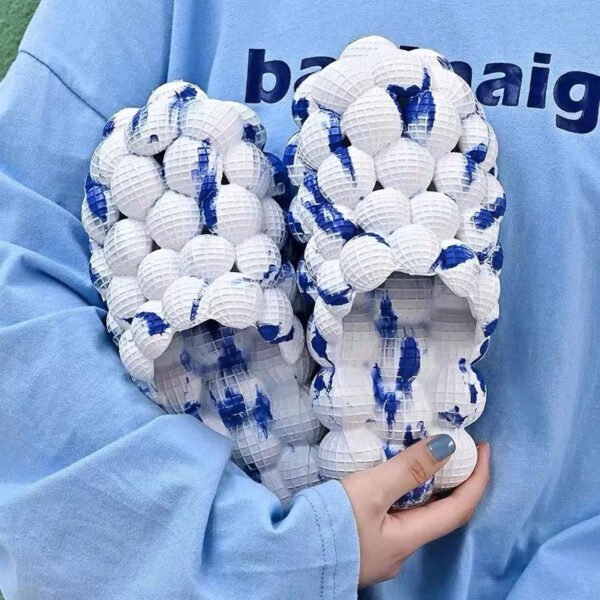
x,y
441,447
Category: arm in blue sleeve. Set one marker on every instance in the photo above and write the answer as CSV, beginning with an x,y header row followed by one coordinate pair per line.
x,y
102,495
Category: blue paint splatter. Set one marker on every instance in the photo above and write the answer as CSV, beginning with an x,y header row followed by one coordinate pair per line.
x,y
289,154
294,226
319,344
255,134
305,282
96,279
336,297
193,409
346,161
498,207
320,384
444,62
146,388
262,411
95,196
472,394
300,109
286,337
426,83
230,356
268,332
334,130
179,100
311,183
416,496
400,93
186,360
489,329
409,365
280,179
483,219
249,133
385,399
452,416
396,93
494,257
187,93
271,273
331,220
470,169
480,379
205,180
455,255
139,118
376,236
389,451
497,258
232,409
478,153
421,109
286,271
482,351
155,324
195,306
387,323
410,360
412,437
109,127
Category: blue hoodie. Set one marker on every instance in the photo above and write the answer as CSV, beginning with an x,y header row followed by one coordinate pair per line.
x,y
103,496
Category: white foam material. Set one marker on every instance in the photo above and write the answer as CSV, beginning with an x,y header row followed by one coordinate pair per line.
x,y
105,214
126,245
383,211
273,221
406,166
400,315
178,197
157,272
400,217
258,257
136,185
100,272
372,121
366,46
346,177
437,212
207,256
174,220
237,213
213,121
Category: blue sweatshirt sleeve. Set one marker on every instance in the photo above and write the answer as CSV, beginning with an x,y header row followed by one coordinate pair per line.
x,y
102,495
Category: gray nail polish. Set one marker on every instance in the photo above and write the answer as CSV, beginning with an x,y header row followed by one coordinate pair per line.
x,y
441,446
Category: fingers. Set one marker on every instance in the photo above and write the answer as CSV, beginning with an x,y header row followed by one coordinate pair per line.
x,y
427,523
411,468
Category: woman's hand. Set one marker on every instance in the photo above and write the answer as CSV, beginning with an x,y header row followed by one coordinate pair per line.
x,y
387,539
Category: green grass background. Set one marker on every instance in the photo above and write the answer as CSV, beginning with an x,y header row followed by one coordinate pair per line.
x,y
14,16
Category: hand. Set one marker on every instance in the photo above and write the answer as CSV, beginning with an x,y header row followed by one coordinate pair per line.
x,y
387,539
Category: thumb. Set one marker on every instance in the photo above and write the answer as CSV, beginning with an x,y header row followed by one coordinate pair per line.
x,y
411,468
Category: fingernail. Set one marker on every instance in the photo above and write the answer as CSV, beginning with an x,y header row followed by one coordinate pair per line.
x,y
441,446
